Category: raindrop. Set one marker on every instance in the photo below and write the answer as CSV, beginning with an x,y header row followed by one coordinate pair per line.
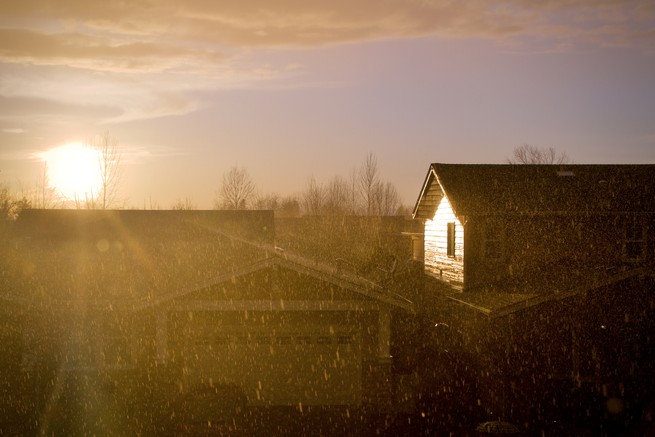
x,y
102,245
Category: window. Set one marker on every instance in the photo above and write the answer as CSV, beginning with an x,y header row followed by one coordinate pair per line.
x,y
450,244
492,243
634,245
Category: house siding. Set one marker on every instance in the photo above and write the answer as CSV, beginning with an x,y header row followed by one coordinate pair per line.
x,y
532,247
437,261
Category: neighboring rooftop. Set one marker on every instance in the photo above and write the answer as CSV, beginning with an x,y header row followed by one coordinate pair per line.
x,y
481,189
66,257
134,259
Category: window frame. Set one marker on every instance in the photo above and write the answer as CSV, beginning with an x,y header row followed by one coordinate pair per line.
x,y
634,237
451,239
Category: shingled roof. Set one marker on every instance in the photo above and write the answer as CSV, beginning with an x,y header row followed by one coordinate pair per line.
x,y
60,258
486,189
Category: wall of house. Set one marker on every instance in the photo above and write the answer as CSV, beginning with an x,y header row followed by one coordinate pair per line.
x,y
437,261
282,354
573,356
282,358
500,249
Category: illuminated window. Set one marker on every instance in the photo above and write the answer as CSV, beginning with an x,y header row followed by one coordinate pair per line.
x,y
450,237
634,243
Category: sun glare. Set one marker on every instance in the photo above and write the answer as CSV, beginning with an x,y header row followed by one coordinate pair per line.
x,y
74,171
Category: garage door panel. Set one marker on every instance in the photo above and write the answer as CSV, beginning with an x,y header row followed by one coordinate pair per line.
x,y
287,368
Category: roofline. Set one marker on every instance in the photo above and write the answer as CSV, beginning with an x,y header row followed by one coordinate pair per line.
x,y
423,189
532,301
433,171
590,285
224,277
323,272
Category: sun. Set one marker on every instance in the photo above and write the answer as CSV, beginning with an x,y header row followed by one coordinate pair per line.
x,y
74,171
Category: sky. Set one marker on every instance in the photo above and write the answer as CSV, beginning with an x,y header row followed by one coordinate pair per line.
x,y
294,89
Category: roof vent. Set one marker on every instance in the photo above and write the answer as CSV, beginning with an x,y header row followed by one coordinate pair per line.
x,y
565,173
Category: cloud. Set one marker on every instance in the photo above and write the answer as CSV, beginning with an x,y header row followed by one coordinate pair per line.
x,y
96,53
34,107
142,32
134,153
37,94
149,59
199,35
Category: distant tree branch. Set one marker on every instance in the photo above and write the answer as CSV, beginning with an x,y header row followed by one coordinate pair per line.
x,y
368,178
236,190
10,205
529,154
185,204
314,197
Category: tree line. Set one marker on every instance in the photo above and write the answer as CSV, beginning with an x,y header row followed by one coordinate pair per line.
x,y
363,192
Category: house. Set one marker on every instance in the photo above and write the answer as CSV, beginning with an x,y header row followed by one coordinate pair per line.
x,y
109,315
485,224
546,275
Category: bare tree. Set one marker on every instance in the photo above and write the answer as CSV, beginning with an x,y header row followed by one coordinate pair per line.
x,y
289,207
313,197
368,178
45,196
529,154
10,205
185,204
269,201
109,163
390,200
236,189
353,191
337,196
109,170
340,196
377,194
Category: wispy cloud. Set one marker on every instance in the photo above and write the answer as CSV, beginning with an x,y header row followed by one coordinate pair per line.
x,y
168,34
82,50
133,153
149,59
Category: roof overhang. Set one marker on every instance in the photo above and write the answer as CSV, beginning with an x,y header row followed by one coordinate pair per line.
x,y
496,305
429,197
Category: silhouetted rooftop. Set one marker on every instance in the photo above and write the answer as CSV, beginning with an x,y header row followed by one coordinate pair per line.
x,y
101,258
482,189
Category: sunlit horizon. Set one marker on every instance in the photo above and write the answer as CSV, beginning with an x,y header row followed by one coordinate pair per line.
x,y
73,171
293,91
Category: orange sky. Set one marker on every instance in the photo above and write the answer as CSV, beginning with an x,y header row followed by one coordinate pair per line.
x,y
293,89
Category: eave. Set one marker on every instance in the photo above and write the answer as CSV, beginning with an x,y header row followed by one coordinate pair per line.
x,y
495,305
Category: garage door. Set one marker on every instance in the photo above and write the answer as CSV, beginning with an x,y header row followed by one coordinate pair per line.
x,y
309,365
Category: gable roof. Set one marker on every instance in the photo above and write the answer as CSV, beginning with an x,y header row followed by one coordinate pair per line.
x,y
484,189
323,272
